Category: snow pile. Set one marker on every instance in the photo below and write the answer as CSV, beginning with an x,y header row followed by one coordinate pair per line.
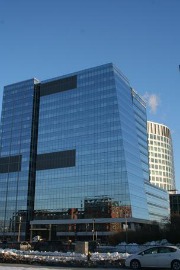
x,y
60,256
115,258
69,259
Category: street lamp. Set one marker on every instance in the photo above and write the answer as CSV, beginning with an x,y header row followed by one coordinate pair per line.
x,y
93,229
19,229
125,212
126,226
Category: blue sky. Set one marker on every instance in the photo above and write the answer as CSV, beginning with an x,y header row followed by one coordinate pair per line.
x,y
49,38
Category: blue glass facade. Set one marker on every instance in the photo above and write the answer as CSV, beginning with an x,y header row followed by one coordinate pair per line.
x,y
82,153
17,150
97,120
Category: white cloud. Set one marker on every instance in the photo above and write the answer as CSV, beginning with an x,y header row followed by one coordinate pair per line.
x,y
152,101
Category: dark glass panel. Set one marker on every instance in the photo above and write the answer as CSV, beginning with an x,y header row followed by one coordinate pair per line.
x,y
58,86
10,164
55,160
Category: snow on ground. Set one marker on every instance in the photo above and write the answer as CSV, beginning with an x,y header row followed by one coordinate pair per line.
x,y
60,256
121,251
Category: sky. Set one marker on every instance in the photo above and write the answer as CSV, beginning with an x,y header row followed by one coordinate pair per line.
x,y
48,38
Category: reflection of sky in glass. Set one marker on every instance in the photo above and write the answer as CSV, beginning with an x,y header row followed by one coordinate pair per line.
x,y
96,119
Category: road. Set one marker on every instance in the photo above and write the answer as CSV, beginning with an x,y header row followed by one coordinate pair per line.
x,y
33,267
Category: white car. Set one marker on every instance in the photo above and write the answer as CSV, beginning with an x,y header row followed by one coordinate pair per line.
x,y
157,257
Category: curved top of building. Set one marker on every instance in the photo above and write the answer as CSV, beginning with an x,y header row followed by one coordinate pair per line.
x,y
158,129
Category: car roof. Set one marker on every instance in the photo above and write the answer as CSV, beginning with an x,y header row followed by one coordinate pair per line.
x,y
159,246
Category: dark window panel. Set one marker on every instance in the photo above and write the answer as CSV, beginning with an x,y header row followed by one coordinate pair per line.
x,y
58,86
10,164
55,160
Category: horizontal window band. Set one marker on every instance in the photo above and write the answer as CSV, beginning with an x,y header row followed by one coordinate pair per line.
x,y
10,164
58,86
56,160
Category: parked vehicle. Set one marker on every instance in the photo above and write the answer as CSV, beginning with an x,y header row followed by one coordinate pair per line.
x,y
157,257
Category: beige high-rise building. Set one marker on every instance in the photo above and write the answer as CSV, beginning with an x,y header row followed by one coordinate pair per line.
x,y
161,160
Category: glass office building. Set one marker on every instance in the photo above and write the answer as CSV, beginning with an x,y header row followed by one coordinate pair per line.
x,y
74,158
161,158
17,161
175,204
